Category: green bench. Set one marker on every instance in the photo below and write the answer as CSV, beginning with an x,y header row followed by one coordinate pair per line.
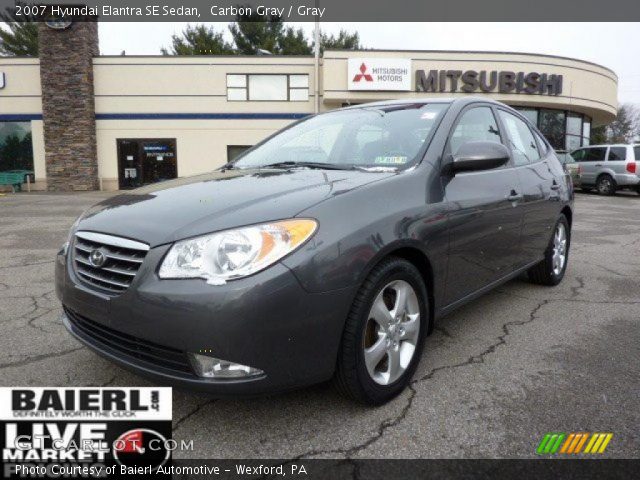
x,y
13,179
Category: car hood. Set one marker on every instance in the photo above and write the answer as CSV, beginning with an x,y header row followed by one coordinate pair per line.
x,y
186,207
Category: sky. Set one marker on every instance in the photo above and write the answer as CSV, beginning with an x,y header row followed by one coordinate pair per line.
x,y
614,45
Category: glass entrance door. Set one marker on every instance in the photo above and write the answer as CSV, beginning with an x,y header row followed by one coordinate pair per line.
x,y
145,161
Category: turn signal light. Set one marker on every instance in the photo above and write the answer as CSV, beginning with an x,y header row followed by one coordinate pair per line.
x,y
631,167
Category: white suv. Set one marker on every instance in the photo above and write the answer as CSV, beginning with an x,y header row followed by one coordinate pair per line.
x,y
608,167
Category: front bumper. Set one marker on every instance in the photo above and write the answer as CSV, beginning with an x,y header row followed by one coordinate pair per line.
x,y
266,321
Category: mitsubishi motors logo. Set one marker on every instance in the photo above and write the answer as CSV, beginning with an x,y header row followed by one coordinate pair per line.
x,y
379,74
363,74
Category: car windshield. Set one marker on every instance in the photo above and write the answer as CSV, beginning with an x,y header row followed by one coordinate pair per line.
x,y
376,136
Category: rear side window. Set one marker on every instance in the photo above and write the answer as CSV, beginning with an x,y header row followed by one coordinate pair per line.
x,y
636,152
523,144
617,153
595,154
476,125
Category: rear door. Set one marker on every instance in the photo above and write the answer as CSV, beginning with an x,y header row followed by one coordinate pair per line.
x,y
540,187
483,211
592,164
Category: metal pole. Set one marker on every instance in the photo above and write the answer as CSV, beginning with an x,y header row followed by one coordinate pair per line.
x,y
29,183
316,63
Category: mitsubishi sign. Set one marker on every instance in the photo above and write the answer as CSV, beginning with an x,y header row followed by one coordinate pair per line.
x,y
470,81
379,74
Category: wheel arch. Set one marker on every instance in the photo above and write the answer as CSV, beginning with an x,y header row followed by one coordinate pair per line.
x,y
418,258
608,174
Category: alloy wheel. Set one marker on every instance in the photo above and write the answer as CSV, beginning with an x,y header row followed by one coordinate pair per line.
x,y
604,186
559,255
392,332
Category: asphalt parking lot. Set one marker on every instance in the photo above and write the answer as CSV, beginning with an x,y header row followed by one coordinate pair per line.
x,y
496,375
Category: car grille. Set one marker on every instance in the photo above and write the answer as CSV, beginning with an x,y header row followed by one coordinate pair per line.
x,y
149,352
123,258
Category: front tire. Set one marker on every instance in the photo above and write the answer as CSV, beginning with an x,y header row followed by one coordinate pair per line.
x,y
550,271
383,335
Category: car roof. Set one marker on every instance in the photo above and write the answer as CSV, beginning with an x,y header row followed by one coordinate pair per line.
x,y
424,101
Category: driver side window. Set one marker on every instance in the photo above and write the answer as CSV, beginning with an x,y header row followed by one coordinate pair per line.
x,y
476,125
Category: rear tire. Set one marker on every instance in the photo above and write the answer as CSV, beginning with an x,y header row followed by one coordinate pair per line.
x,y
606,185
550,271
394,292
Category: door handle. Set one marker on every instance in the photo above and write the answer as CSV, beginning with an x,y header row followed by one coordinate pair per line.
x,y
514,196
598,164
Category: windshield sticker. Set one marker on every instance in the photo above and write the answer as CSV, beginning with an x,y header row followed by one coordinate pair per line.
x,y
428,115
396,160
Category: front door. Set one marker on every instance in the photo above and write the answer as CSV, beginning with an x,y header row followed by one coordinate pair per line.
x,y
484,214
145,161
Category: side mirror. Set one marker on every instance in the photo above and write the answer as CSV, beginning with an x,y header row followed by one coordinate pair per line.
x,y
472,156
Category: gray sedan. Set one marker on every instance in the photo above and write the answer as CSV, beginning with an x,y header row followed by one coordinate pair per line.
x,y
328,251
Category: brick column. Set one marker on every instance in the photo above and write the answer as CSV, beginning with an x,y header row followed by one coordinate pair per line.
x,y
66,75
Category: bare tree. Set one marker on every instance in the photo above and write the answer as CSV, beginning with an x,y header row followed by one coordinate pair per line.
x,y
625,128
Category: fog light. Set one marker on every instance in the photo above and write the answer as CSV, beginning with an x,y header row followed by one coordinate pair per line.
x,y
210,367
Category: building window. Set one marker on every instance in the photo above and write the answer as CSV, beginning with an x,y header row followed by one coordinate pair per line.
x,y
530,114
16,148
586,131
552,125
565,131
234,151
236,87
574,132
145,161
298,88
268,87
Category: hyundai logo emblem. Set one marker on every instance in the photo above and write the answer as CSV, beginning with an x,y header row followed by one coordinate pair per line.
x,y
97,258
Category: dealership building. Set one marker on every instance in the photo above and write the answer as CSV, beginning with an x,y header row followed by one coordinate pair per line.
x,y
82,121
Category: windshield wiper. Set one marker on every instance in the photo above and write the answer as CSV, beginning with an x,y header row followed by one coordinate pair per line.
x,y
227,166
318,165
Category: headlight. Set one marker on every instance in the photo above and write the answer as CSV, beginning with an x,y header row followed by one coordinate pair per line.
x,y
235,253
